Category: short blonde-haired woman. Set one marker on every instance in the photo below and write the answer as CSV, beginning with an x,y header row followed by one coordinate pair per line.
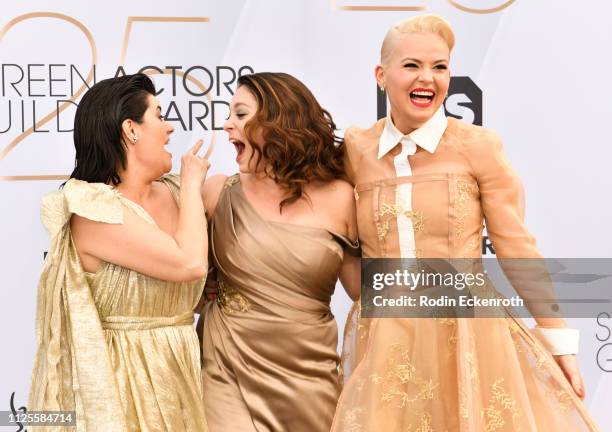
x,y
424,184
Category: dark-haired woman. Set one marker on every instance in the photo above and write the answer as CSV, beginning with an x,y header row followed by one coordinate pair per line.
x,y
279,230
124,271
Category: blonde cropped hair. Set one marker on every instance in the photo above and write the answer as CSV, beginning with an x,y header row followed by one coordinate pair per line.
x,y
418,24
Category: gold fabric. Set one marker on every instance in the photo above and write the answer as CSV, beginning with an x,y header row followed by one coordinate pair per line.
x,y
269,344
443,374
116,346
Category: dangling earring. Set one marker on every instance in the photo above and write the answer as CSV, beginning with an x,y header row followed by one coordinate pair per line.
x,y
382,89
134,138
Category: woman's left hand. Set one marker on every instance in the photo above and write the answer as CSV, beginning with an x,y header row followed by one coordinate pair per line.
x,y
569,366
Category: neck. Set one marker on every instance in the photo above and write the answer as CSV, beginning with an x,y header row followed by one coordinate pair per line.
x,y
135,186
404,125
261,183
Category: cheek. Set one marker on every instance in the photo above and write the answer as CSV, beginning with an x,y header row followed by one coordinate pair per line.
x,y
444,83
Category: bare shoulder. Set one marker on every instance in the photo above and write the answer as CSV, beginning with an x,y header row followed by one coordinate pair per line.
x,y
336,197
212,190
335,190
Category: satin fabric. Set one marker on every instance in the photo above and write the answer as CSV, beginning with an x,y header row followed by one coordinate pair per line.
x,y
116,346
443,374
269,343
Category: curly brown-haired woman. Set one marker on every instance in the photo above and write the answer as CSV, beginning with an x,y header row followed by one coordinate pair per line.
x,y
279,232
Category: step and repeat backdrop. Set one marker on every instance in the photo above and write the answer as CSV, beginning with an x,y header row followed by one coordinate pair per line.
x,y
535,71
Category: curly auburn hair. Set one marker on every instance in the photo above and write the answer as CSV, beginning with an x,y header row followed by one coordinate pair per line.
x,y
292,133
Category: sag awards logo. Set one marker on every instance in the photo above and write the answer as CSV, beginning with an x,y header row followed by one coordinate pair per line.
x,y
464,101
39,98
604,336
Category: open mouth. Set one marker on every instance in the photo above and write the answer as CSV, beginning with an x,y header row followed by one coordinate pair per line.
x,y
239,147
422,97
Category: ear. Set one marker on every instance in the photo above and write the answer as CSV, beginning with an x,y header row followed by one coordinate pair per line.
x,y
379,73
127,127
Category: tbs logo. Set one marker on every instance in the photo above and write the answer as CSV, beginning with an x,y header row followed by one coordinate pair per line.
x,y
464,101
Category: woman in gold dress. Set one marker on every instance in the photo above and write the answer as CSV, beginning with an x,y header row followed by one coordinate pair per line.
x,y
280,230
424,184
124,271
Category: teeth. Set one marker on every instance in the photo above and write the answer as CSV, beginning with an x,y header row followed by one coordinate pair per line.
x,y
422,93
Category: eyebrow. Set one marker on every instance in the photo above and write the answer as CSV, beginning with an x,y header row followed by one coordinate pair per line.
x,y
419,61
241,103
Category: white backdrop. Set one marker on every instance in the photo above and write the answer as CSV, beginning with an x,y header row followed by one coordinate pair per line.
x,y
543,68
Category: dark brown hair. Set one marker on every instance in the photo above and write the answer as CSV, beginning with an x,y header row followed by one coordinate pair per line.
x,y
292,133
100,151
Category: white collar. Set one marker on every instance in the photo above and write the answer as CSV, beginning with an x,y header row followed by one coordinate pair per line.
x,y
427,136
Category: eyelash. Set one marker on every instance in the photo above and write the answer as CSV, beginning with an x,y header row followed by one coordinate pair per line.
x,y
414,65
240,115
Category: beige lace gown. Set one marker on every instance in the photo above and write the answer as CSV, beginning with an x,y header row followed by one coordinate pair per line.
x,y
269,343
117,346
447,375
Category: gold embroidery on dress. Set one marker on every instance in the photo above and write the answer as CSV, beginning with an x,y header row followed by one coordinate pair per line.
x,y
500,401
382,229
231,300
360,383
351,417
470,359
389,209
564,400
231,181
449,322
464,189
400,374
417,218
424,425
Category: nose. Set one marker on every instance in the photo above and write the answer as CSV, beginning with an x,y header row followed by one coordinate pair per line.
x,y
228,125
170,127
426,75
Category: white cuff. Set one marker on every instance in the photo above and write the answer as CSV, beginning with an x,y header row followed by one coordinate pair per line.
x,y
559,341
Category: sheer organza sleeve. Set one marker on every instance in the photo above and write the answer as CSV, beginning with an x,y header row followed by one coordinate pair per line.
x,y
502,199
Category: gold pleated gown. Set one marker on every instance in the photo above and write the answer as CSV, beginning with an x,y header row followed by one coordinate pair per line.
x,y
117,346
269,343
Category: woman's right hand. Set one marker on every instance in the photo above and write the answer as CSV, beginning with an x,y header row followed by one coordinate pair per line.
x,y
193,167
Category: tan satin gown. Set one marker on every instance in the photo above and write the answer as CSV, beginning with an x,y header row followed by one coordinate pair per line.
x,y
116,346
269,344
445,374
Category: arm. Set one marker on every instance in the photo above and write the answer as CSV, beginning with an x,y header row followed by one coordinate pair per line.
x,y
350,276
350,272
147,249
503,204
211,193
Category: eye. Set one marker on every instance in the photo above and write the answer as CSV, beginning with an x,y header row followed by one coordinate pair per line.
x,y
161,117
240,115
441,67
411,65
